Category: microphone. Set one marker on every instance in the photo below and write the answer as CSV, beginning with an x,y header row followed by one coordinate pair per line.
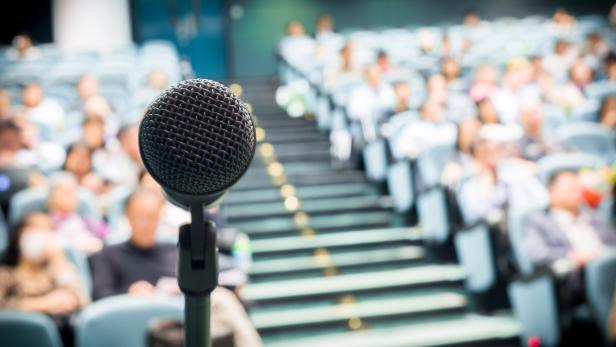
x,y
196,140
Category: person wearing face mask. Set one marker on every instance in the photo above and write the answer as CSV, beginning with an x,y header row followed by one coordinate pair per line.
x,y
36,276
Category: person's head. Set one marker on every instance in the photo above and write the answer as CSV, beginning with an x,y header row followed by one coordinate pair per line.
x,y
580,73
486,74
517,73
325,24
402,90
426,40
347,54
128,136
31,95
29,240
373,76
562,17
143,209
531,117
295,28
565,191
96,106
486,152
610,66
93,132
10,141
87,87
382,60
468,130
5,103
78,160
28,131
63,196
561,47
157,79
607,112
432,111
486,112
613,15
22,43
450,69
471,18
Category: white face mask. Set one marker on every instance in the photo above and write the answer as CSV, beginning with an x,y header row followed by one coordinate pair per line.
x,y
33,245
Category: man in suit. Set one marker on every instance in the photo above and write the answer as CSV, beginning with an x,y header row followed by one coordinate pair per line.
x,y
567,236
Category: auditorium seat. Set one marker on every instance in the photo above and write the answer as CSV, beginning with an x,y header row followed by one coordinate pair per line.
x,y
600,290
534,303
4,233
123,320
19,329
588,138
35,200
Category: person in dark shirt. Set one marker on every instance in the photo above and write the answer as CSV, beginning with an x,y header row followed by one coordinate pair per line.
x,y
140,265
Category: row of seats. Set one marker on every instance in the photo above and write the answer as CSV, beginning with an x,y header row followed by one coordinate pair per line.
x,y
415,183
116,321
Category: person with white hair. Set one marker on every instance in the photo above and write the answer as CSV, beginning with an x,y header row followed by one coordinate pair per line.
x,y
82,232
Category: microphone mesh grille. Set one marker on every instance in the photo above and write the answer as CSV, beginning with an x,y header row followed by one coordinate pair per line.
x,y
197,138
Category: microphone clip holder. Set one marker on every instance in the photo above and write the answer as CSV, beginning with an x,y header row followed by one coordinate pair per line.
x,y
197,275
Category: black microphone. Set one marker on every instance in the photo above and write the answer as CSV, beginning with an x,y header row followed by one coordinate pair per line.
x,y
196,140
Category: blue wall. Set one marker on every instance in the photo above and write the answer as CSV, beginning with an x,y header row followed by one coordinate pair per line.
x,y
202,40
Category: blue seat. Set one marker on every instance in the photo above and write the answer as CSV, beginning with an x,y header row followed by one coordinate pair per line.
x,y
474,251
375,160
400,185
35,200
123,320
20,329
550,164
534,305
4,233
600,277
80,262
588,138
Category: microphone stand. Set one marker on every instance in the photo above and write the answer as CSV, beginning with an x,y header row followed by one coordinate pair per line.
x,y
197,275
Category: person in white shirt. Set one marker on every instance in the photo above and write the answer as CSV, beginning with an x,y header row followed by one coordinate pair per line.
x,y
372,101
46,113
430,130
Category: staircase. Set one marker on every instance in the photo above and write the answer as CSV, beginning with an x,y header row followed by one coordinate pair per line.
x,y
333,265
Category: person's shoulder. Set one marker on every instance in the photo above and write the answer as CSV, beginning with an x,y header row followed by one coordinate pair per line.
x,y
113,250
539,219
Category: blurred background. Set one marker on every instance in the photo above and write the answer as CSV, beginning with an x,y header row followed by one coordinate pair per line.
x,y
426,174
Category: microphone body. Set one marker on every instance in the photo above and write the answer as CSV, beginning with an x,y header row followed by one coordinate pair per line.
x,y
196,140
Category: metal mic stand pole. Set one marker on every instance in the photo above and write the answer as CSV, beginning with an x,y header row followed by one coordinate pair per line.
x,y
197,276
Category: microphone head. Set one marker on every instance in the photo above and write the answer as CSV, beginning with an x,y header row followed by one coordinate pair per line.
x,y
196,140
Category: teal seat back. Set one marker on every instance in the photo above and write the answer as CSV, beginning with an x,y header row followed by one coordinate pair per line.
x,y
35,200
400,185
600,279
588,138
4,233
375,160
475,254
80,262
21,329
123,320
433,215
535,306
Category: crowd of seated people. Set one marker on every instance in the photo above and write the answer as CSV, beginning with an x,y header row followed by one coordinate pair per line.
x,y
72,182
504,95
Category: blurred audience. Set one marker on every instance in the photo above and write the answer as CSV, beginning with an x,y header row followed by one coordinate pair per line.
x,y
567,235
37,277
46,113
82,232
